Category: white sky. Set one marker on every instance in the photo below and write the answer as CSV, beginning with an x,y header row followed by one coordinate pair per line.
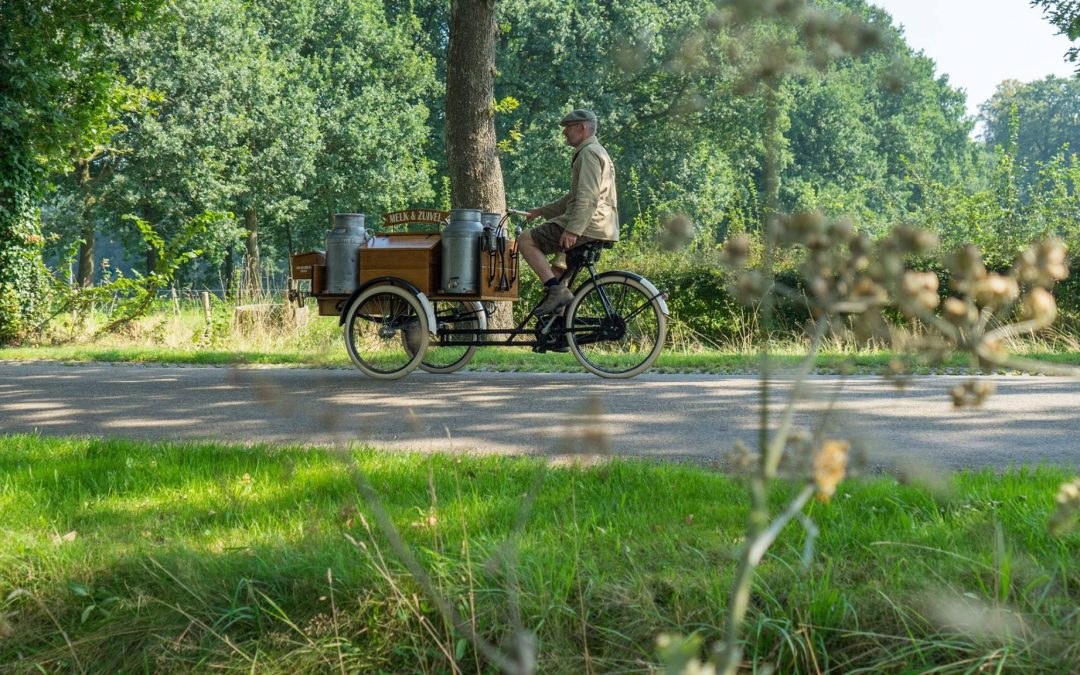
x,y
979,43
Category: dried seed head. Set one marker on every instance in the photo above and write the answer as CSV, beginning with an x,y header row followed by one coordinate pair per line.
x,y
630,57
869,325
1067,506
913,240
958,312
966,265
896,372
798,455
741,459
841,231
677,230
995,290
868,290
993,345
737,249
1043,264
914,282
920,290
817,286
1039,306
1052,259
830,466
750,288
681,226
861,245
971,394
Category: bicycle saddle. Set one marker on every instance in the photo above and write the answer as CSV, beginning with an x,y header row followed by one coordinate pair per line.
x,y
586,253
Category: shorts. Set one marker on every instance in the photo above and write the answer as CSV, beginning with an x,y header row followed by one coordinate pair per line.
x,y
546,237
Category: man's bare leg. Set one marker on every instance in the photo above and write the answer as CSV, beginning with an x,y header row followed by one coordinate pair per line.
x,y
535,257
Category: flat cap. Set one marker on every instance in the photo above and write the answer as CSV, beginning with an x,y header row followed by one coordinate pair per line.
x,y
579,115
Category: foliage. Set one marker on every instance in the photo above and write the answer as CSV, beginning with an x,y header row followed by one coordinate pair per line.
x,y
687,131
132,297
59,77
288,110
235,130
370,86
1041,119
1020,202
1065,14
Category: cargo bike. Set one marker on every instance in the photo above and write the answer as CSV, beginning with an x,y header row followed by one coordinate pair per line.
x,y
407,299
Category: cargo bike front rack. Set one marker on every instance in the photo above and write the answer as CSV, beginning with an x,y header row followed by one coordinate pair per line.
x,y
400,318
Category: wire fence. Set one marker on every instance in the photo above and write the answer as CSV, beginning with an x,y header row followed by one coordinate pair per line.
x,y
195,292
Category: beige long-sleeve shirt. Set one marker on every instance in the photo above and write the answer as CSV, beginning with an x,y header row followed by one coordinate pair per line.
x,y
591,208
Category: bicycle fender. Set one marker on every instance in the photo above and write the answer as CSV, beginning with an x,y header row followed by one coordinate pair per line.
x,y
429,310
644,282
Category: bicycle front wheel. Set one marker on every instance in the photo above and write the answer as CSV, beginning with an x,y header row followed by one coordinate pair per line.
x,y
378,325
615,326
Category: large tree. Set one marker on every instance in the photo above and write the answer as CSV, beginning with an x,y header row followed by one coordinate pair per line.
x,y
1044,117
236,130
57,78
280,112
472,152
476,179
370,84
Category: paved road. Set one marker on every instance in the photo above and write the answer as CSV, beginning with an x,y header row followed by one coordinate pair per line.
x,y
1029,420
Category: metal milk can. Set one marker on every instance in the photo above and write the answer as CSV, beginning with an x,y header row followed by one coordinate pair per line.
x,y
343,252
461,252
491,230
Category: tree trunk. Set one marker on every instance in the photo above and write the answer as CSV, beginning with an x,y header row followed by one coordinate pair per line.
x,y
227,291
253,284
472,154
471,151
85,277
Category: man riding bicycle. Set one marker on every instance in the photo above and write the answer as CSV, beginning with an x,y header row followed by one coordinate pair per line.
x,y
589,212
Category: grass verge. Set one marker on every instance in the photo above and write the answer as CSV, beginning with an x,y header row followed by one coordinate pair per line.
x,y
495,359
122,556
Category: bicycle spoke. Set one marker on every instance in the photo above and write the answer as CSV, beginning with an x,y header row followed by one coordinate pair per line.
x,y
616,327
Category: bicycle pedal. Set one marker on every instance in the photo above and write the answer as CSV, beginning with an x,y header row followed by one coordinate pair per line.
x,y
549,323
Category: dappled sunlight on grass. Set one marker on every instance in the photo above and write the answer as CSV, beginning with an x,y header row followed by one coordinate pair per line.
x,y
162,538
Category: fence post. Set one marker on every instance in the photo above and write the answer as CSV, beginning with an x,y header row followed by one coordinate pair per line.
x,y
175,300
206,306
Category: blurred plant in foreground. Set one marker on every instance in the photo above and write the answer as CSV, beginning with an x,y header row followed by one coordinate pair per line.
x,y
851,282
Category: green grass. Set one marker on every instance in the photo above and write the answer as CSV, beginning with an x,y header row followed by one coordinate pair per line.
x,y
124,557
185,338
496,359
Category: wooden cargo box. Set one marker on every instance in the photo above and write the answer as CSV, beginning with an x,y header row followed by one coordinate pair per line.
x,y
303,264
412,257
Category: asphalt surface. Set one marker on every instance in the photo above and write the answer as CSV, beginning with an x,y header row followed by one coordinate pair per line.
x,y
1029,420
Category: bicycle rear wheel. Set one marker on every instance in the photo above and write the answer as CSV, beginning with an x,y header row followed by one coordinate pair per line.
x,y
615,326
456,315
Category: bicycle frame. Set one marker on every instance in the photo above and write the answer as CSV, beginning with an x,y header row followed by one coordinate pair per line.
x,y
549,328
